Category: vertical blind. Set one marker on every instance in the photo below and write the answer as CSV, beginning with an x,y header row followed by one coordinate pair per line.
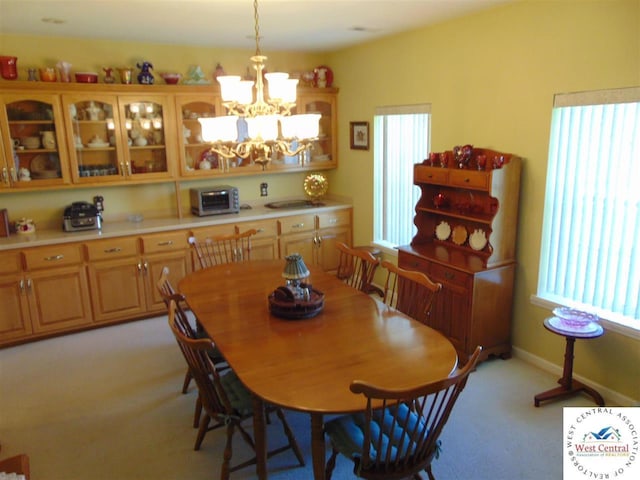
x,y
401,139
590,254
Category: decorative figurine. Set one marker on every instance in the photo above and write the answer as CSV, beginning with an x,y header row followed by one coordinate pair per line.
x,y
25,225
219,72
64,70
32,75
145,77
108,75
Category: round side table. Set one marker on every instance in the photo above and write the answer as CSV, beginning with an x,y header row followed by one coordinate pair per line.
x,y
569,386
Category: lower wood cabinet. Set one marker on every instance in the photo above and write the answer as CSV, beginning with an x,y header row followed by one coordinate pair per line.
x,y
15,321
315,237
56,288
474,306
124,271
74,286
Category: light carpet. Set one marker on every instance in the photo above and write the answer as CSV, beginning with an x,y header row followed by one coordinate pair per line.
x,y
106,405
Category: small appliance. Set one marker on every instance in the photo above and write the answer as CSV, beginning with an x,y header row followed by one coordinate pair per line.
x,y
214,200
81,216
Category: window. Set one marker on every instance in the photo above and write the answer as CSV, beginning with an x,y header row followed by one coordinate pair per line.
x,y
590,256
401,139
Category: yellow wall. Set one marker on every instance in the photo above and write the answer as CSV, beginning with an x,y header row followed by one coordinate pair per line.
x,y
490,78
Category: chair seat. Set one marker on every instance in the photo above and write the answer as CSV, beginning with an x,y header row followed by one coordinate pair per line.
x,y
347,432
239,397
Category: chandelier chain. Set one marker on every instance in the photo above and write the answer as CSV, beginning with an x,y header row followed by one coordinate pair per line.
x,y
257,26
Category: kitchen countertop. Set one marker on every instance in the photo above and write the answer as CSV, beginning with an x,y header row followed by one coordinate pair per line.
x,y
153,225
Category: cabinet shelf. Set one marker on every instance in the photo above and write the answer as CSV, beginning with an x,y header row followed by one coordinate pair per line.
x,y
480,218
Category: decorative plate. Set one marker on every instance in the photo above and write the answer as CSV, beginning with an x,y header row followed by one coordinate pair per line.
x,y
315,185
478,239
459,234
443,230
43,163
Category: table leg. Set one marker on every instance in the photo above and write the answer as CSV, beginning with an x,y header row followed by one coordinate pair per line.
x,y
259,437
568,386
317,445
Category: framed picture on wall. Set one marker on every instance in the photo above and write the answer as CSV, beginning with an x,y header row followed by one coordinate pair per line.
x,y
359,134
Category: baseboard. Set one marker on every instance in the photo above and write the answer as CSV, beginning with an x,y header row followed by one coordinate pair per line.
x,y
611,397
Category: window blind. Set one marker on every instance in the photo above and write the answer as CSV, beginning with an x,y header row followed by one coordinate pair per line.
x,y
590,256
401,139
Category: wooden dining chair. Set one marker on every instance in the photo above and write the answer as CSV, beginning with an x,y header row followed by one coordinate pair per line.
x,y
398,434
219,249
409,291
187,327
225,399
356,267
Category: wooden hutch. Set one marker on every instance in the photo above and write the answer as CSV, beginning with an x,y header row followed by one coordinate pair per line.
x,y
467,219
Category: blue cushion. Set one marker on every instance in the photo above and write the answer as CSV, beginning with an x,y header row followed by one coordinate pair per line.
x,y
237,393
347,432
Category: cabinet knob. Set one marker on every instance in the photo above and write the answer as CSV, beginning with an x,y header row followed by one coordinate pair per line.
x,y
449,275
165,244
297,225
467,180
53,258
113,250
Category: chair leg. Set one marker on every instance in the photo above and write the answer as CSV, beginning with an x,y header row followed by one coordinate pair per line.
x,y
430,473
197,412
228,452
292,439
331,464
204,428
187,381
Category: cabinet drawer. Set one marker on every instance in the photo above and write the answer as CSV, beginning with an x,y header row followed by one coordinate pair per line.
x,y
113,248
469,179
411,262
165,242
10,262
338,218
424,174
51,257
213,231
296,224
440,273
265,228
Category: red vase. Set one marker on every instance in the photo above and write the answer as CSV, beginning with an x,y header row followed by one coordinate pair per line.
x,y
9,67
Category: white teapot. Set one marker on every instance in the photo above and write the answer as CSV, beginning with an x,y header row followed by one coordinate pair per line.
x,y
24,175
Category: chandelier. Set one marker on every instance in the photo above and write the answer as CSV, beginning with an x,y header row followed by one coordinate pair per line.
x,y
261,127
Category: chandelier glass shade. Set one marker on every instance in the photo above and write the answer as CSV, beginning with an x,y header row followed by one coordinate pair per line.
x,y
257,127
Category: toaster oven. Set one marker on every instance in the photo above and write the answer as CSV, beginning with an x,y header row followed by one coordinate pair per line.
x,y
214,200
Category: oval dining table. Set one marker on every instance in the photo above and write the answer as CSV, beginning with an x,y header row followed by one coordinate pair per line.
x,y
308,364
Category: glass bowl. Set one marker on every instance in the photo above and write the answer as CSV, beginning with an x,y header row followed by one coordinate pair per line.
x,y
574,318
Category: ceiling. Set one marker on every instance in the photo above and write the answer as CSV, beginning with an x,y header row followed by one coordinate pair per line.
x,y
295,25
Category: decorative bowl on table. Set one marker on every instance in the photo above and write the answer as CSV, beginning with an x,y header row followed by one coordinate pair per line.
x,y
574,318
171,78
86,77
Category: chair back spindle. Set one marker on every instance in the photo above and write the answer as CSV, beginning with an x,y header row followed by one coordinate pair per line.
x,y
410,292
356,268
221,249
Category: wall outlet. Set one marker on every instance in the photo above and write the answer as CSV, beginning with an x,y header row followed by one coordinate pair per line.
x,y
264,189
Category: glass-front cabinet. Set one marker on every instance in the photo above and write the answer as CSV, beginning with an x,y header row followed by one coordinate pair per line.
x,y
144,125
196,158
324,151
33,143
116,138
93,138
